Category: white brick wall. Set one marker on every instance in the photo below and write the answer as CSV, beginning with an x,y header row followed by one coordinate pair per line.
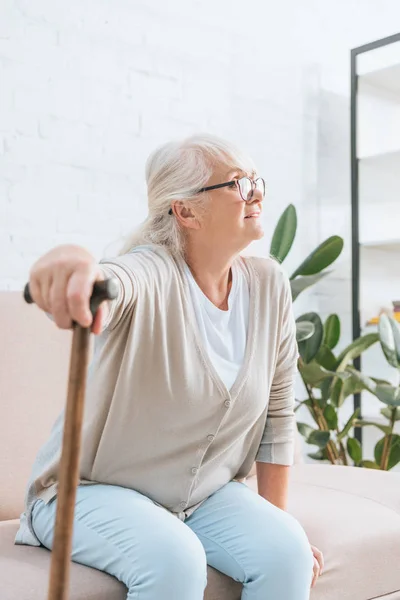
x,y
89,88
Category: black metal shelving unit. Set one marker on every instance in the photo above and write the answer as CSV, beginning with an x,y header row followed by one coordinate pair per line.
x,y
356,325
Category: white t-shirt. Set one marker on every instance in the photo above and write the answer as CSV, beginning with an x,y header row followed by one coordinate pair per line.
x,y
224,332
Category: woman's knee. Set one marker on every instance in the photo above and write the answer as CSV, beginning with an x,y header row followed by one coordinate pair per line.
x,y
183,555
176,564
43,518
289,552
295,548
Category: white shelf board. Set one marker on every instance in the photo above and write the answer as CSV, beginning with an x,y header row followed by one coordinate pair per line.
x,y
387,78
386,245
389,160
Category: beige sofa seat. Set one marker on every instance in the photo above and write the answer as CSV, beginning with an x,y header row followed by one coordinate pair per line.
x,y
352,515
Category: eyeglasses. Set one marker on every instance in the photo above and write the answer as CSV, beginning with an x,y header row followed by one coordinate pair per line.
x,y
245,185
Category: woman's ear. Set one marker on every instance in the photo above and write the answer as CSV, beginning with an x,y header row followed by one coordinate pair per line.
x,y
186,216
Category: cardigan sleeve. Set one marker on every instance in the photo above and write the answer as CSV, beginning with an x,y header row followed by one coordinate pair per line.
x,y
277,443
127,290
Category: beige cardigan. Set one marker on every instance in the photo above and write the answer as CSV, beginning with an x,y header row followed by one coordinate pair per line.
x,y
158,418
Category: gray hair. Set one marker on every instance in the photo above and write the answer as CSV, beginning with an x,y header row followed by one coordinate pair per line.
x,y
177,171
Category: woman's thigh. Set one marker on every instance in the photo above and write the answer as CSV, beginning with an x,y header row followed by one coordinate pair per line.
x,y
254,542
125,534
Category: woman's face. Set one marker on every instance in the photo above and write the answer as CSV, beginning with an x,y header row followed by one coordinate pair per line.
x,y
227,219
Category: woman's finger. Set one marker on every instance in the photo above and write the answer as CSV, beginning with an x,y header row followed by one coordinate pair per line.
x,y
100,318
39,288
58,301
79,291
320,558
316,570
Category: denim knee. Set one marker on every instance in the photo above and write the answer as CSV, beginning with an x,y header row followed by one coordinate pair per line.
x,y
177,569
287,556
292,555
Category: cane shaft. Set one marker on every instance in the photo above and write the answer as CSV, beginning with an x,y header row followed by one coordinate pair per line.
x,y
69,466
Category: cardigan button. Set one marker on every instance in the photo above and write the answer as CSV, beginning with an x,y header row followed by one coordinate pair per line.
x,y
227,403
194,470
210,437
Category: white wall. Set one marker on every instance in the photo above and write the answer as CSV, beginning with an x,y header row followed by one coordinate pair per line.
x,y
88,88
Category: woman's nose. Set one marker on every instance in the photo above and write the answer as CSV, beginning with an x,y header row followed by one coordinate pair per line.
x,y
257,196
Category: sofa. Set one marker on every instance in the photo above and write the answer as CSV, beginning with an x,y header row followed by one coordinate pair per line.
x,y
351,514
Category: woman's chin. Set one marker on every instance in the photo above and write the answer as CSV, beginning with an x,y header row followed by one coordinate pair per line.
x,y
258,232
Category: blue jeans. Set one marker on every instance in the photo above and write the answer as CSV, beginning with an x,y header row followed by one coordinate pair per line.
x,y
156,555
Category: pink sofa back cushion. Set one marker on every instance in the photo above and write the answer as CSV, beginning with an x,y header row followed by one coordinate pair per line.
x,y
34,362
34,359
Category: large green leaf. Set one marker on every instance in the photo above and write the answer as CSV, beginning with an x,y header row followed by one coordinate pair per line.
x,y
357,382
304,429
388,394
336,394
387,412
313,436
365,382
389,335
385,392
331,417
313,374
309,348
284,234
394,453
355,349
351,385
331,331
304,330
349,425
369,464
396,334
354,450
321,257
318,455
342,388
319,438
325,387
300,284
326,358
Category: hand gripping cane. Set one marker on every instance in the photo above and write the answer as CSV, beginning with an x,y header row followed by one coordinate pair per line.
x,y
69,464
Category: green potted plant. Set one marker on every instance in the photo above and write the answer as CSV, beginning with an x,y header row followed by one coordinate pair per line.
x,y
328,378
387,450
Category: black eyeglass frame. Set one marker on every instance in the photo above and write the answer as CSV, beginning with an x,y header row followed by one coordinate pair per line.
x,y
236,181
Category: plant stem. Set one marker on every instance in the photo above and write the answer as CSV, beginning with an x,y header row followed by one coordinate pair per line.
x,y
343,455
387,444
319,418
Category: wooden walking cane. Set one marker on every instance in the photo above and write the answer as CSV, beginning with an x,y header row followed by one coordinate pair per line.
x,y
69,464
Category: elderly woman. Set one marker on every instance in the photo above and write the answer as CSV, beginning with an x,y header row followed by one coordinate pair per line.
x,y
191,382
